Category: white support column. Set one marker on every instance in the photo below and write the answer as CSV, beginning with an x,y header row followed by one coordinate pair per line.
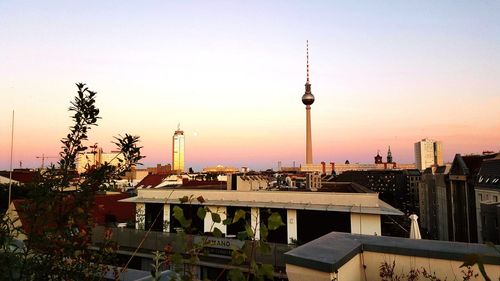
x,y
291,225
140,215
209,224
255,221
166,217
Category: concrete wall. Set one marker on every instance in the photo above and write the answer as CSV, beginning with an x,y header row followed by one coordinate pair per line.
x,y
298,273
365,224
291,225
353,269
443,268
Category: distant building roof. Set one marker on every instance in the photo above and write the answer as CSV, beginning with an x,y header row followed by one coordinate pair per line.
x,y
107,206
344,187
445,169
489,174
150,181
22,176
468,164
412,172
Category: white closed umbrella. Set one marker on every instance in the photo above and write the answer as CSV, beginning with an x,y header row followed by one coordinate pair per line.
x,y
414,230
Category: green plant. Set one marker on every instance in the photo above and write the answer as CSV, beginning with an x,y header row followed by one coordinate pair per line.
x,y
185,252
56,216
387,273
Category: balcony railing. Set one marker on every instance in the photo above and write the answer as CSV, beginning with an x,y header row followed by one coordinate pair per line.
x,y
129,239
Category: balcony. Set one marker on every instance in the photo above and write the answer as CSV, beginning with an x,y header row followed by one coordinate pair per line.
x,y
217,252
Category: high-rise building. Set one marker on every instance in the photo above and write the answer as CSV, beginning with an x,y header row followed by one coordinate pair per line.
x,y
427,153
308,99
178,150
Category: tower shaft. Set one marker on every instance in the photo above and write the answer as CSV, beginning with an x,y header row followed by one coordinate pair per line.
x,y
309,155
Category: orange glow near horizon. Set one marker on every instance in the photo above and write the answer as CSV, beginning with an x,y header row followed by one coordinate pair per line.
x,y
232,74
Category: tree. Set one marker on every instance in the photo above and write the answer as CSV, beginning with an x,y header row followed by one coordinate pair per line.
x,y
57,217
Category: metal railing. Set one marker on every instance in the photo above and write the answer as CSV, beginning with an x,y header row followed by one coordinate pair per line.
x,y
127,238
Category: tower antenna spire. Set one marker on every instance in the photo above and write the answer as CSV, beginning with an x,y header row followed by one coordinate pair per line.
x,y
307,58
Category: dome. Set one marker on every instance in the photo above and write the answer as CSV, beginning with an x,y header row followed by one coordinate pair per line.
x,y
307,99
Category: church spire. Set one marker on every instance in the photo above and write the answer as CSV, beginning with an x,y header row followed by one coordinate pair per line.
x,y
389,155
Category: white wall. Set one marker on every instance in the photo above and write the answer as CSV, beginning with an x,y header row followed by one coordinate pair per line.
x,y
365,224
209,224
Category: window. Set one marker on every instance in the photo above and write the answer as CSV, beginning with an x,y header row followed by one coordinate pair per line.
x,y
495,198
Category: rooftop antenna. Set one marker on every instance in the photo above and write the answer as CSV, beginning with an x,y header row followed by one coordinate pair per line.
x,y
11,153
178,126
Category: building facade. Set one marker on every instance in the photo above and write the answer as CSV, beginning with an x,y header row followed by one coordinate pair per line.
x,y
97,157
306,215
339,168
487,192
178,151
463,178
434,194
396,187
427,153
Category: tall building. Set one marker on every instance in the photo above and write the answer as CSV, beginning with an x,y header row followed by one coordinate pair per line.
x,y
178,150
427,153
308,99
434,197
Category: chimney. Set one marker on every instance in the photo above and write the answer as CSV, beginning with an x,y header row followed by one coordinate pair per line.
x,y
323,167
332,164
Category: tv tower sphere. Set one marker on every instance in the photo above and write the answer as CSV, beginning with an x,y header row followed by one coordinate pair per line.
x,y
308,98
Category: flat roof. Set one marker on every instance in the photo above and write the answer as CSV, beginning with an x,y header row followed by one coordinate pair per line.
x,y
331,251
319,201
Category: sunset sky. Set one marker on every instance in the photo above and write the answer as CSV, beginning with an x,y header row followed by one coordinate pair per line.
x,y
232,73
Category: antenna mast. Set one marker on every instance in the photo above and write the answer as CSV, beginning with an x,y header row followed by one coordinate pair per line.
x,y
11,153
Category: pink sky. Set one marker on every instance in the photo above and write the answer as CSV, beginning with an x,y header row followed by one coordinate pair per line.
x,y
233,74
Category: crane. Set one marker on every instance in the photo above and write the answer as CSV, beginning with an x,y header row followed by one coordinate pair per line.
x,y
43,157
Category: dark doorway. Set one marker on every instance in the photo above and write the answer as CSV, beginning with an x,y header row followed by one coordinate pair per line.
x,y
313,224
154,216
190,213
239,226
279,235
